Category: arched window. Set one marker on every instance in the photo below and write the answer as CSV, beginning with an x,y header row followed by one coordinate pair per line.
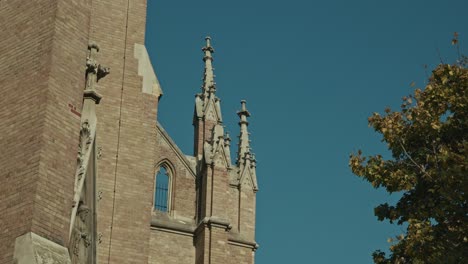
x,y
162,190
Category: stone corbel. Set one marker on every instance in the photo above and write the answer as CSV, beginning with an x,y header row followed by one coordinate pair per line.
x,y
216,222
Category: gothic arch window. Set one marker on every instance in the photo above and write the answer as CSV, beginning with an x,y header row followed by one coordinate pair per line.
x,y
162,189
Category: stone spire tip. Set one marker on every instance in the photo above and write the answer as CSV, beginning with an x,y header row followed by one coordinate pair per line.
x,y
209,85
244,103
208,46
244,142
243,111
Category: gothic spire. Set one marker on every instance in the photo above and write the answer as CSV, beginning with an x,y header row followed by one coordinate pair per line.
x,y
207,113
207,103
244,142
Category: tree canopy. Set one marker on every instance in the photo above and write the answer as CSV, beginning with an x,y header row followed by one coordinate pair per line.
x,y
428,142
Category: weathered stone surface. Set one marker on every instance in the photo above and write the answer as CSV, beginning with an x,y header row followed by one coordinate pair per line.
x,y
145,69
34,249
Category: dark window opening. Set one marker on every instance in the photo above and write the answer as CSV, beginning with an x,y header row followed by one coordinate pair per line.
x,y
161,192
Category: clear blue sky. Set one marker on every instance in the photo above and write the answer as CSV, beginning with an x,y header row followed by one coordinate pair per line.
x,y
311,72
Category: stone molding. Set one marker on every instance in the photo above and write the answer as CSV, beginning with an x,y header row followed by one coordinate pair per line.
x,y
237,240
216,222
165,223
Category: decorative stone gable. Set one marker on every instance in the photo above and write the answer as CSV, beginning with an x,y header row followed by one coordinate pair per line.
x,y
210,112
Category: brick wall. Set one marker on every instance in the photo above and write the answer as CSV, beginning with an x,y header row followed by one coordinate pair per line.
x,y
43,50
247,213
240,255
183,200
126,129
43,47
233,209
171,248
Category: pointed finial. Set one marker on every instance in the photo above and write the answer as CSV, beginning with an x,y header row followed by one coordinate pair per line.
x,y
243,111
208,46
244,142
209,85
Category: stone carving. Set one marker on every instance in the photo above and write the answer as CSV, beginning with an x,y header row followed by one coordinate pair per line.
x,y
247,182
99,196
83,146
81,238
99,153
211,115
94,73
220,161
31,248
94,70
82,230
99,238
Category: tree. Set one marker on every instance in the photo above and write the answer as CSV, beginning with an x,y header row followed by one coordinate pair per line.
x,y
428,140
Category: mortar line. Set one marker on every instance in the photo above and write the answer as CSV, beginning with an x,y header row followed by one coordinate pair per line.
x,y
119,131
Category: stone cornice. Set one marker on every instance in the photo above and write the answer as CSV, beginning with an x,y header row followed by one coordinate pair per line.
x,y
238,240
216,222
93,95
165,223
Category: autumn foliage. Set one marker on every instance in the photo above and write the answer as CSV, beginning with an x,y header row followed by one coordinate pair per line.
x,y
428,140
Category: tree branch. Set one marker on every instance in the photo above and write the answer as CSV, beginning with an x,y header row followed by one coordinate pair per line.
x,y
423,170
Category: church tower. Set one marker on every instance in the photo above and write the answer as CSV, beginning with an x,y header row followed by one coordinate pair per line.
x,y
210,215
43,51
88,174
214,166
77,145
226,191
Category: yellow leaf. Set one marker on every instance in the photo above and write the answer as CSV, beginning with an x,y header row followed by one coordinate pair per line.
x,y
444,79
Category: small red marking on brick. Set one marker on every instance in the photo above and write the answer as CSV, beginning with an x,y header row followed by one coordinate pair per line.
x,y
76,112
73,110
